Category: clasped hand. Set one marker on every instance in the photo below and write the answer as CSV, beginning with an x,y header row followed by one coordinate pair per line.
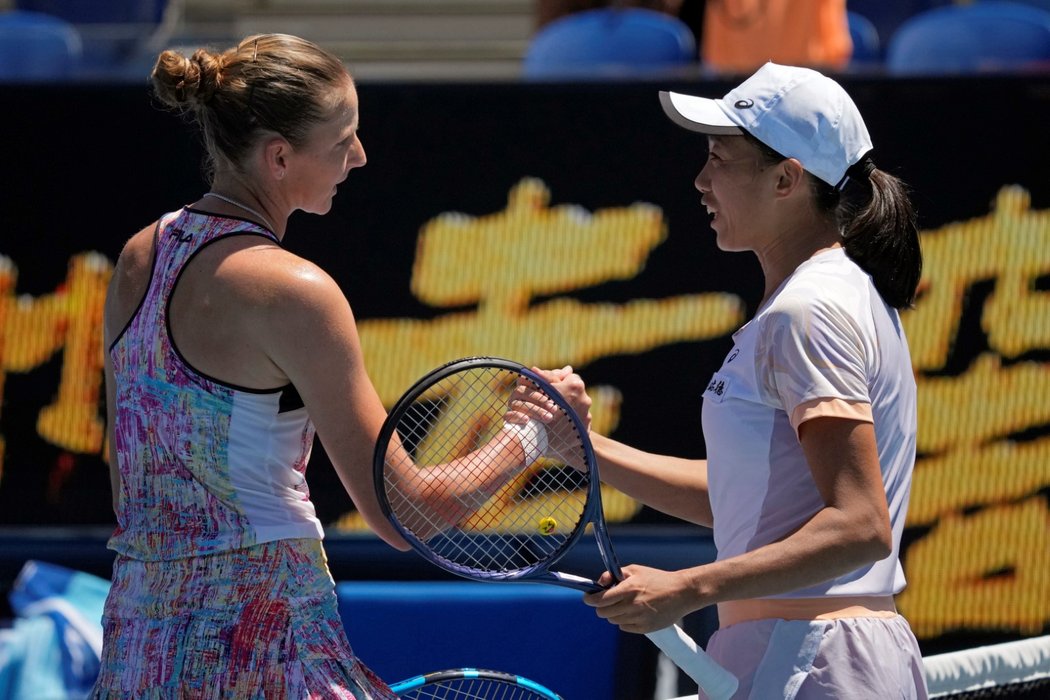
x,y
645,600
530,403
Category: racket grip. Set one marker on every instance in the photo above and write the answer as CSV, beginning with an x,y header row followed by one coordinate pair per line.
x,y
715,681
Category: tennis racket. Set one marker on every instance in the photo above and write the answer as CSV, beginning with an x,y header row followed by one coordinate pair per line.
x,y
492,499
471,684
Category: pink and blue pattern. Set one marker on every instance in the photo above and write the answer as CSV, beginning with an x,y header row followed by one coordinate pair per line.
x,y
221,587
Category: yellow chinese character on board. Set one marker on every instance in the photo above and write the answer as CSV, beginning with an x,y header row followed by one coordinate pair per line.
x,y
984,447
67,321
515,272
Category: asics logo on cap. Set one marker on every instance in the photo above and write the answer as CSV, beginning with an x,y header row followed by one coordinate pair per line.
x,y
744,104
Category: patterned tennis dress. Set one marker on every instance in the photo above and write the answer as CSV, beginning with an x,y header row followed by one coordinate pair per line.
x,y
221,587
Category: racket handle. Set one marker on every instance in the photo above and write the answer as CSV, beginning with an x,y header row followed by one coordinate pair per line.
x,y
715,681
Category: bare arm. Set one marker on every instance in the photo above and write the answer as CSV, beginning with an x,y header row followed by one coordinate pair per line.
x,y
672,485
311,335
850,531
329,373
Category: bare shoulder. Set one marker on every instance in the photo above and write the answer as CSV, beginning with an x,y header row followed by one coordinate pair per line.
x,y
282,299
280,280
302,319
130,278
136,258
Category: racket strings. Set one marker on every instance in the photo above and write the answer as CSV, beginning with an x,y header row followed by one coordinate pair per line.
x,y
526,519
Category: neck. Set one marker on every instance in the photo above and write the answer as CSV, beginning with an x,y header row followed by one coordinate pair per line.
x,y
792,248
249,205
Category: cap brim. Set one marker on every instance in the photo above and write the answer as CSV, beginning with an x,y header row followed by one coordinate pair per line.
x,y
697,114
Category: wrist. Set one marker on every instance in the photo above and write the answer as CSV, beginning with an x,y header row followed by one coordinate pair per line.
x,y
532,435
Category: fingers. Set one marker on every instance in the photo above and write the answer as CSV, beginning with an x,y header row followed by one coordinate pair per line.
x,y
529,402
528,399
572,387
605,597
615,605
554,375
630,604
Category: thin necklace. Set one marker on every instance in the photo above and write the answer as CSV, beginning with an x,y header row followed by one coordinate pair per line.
x,y
245,207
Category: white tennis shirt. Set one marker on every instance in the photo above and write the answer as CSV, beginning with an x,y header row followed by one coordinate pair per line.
x,y
825,344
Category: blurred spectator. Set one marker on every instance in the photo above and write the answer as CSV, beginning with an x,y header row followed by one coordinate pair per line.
x,y
739,36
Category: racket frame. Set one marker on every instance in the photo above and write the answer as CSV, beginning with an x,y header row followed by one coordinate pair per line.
x,y
538,572
472,674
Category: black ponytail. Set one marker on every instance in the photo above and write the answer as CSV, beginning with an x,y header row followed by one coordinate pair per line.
x,y
880,232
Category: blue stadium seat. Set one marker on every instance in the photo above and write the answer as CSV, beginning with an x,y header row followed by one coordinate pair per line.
x,y
115,33
610,42
99,11
37,47
888,15
867,46
985,37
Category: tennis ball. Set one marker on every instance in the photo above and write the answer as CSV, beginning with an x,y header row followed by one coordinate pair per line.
x,y
548,525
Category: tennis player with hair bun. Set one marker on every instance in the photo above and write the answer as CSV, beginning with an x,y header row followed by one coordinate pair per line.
x,y
223,350
224,354
810,422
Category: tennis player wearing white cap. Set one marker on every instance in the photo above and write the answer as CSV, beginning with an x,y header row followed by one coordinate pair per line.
x,y
810,422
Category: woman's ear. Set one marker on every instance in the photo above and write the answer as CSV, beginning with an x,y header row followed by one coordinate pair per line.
x,y
275,152
790,176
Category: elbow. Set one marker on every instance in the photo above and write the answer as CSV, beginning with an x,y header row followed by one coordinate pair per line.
x,y
882,540
399,544
385,531
392,538
864,537
880,548
873,539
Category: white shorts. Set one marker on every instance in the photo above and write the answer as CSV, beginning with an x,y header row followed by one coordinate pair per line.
x,y
850,657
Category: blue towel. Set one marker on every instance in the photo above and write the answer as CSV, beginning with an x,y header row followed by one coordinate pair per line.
x,y
52,649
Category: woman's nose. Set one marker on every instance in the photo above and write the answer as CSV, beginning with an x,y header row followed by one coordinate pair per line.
x,y
701,182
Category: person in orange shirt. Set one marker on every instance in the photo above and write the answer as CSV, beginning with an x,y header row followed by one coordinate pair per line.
x,y
742,35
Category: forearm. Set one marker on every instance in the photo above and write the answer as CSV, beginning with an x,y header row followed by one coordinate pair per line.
x,y
671,485
830,544
443,495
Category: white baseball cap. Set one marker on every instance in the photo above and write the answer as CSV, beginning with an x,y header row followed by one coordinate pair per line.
x,y
797,112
